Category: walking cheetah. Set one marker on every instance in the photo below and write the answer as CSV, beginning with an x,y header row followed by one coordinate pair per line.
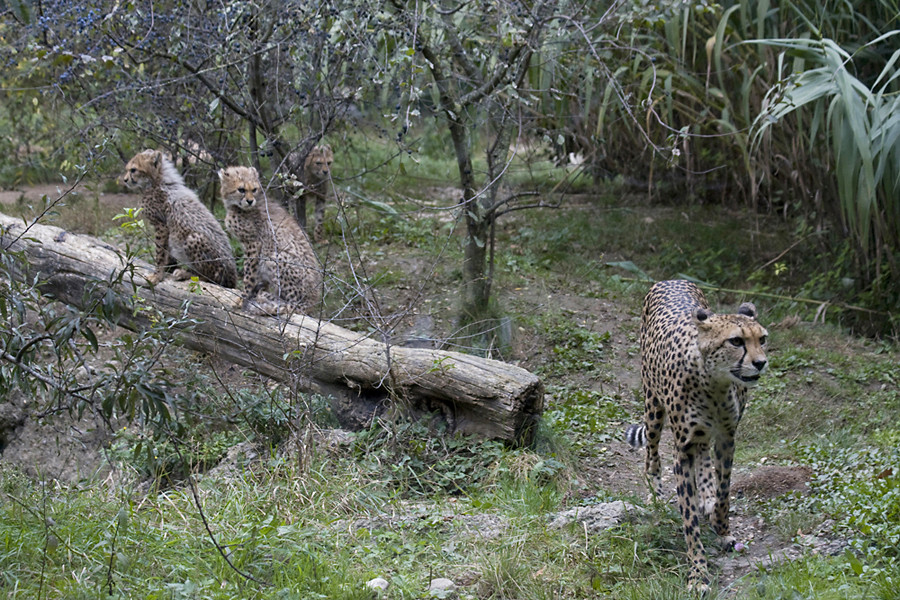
x,y
696,368
187,236
316,183
279,258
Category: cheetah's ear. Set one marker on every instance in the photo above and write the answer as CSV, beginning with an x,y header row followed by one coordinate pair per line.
x,y
747,309
325,147
702,315
157,159
221,173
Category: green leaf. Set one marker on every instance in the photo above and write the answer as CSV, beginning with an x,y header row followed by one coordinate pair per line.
x,y
855,563
90,337
21,10
122,521
378,205
631,268
694,280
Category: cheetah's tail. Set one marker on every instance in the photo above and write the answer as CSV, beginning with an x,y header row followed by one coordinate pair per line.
x,y
636,435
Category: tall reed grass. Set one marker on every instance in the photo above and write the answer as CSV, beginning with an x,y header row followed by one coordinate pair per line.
x,y
788,108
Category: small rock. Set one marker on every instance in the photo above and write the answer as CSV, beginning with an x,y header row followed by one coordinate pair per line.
x,y
596,517
441,588
379,584
238,456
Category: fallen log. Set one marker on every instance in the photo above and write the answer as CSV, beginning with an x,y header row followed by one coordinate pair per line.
x,y
477,396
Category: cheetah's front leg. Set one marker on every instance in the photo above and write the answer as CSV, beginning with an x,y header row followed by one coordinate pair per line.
x,y
161,241
706,481
319,212
689,507
723,463
251,275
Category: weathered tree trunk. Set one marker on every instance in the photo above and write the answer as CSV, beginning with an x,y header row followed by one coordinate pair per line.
x,y
478,396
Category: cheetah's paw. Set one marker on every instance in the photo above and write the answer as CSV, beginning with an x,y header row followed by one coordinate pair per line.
x,y
181,274
729,543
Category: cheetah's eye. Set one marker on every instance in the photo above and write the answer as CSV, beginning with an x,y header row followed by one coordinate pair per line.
x,y
241,190
255,190
737,342
132,170
763,340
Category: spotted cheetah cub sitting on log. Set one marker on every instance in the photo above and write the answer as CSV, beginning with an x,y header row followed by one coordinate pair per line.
x,y
188,238
281,271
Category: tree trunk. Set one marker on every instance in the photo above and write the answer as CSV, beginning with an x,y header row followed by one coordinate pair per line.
x,y
476,293
477,396
476,286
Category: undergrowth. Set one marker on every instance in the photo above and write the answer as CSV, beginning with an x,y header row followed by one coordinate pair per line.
x,y
859,489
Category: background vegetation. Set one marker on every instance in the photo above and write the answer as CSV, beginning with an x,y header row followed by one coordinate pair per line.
x,y
784,109
547,159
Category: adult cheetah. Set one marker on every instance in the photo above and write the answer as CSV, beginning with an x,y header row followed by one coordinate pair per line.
x,y
696,368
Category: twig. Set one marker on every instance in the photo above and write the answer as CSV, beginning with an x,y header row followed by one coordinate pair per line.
x,y
199,506
821,303
788,249
112,556
49,528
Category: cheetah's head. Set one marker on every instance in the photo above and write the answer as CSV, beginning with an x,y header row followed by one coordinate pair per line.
x,y
239,187
318,164
733,347
143,170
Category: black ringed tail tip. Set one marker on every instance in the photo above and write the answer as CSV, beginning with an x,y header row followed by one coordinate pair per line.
x,y
636,436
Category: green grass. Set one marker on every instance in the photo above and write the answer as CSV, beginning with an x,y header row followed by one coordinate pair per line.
x,y
822,387
328,529
157,548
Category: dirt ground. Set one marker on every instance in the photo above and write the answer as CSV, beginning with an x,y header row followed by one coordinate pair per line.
x,y
35,194
55,447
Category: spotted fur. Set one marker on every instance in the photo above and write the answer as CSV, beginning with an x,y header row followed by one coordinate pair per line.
x,y
316,181
696,368
281,271
188,238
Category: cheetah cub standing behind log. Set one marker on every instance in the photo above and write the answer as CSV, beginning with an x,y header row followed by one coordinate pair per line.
x,y
696,368
316,183
279,258
187,236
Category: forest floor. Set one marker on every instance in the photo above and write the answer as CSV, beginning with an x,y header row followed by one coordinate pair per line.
x,y
551,307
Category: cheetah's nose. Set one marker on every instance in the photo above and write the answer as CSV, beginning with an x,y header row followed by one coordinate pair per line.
x,y
760,364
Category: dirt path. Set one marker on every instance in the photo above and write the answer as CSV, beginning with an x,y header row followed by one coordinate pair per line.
x,y
35,194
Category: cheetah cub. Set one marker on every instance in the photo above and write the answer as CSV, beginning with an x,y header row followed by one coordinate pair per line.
x,y
316,183
696,369
188,238
281,271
